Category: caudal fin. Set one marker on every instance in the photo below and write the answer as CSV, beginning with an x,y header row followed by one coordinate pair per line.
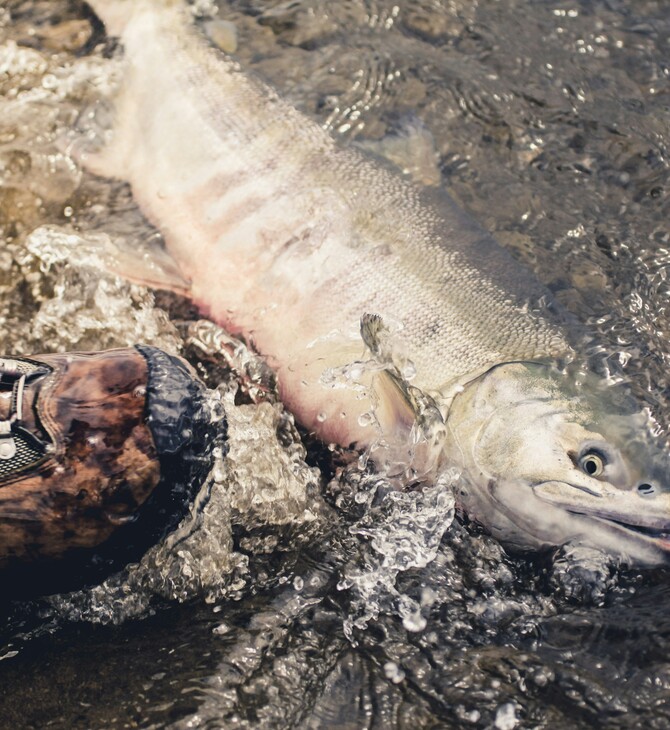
x,y
115,14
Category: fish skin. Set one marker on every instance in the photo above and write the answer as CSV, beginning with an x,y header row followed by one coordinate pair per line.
x,y
288,238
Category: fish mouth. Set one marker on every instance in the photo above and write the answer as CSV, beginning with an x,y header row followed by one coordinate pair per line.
x,y
618,510
649,535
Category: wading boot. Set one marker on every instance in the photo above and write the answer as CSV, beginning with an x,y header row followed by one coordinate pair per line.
x,y
100,455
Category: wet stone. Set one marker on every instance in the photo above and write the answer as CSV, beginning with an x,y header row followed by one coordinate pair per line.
x,y
430,20
69,36
299,23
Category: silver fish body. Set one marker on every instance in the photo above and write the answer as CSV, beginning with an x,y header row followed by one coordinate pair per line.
x,y
290,238
293,240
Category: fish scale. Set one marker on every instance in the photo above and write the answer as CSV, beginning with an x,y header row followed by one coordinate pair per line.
x,y
230,173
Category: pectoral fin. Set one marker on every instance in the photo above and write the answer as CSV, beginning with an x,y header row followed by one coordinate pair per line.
x,y
398,399
145,263
396,404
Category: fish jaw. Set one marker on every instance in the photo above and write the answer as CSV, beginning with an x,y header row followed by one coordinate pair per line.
x,y
646,519
523,522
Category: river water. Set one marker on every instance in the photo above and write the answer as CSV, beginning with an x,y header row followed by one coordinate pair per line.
x,y
301,591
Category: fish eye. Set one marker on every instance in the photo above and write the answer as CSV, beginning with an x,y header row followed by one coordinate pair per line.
x,y
592,463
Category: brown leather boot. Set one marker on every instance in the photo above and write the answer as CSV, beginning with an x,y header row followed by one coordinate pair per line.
x,y
100,454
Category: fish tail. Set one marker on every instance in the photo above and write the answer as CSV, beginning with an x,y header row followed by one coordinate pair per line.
x,y
116,14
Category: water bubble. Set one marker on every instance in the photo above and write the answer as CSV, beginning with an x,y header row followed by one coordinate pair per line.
x,y
470,716
204,8
49,81
542,677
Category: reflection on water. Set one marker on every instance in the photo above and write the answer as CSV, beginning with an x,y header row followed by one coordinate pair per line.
x,y
302,591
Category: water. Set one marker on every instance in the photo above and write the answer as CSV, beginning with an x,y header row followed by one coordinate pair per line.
x,y
303,591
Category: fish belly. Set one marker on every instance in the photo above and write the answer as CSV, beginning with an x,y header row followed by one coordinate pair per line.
x,y
289,239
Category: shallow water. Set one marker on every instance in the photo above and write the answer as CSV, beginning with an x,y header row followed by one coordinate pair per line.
x,y
303,591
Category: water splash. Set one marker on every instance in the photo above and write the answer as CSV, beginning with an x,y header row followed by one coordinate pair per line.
x,y
401,532
259,498
224,358
581,575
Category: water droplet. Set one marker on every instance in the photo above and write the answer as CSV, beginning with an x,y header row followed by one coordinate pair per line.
x,y
409,370
414,622
428,596
49,81
506,718
394,672
366,419
221,629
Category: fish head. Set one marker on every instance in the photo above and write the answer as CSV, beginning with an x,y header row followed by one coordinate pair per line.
x,y
548,460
